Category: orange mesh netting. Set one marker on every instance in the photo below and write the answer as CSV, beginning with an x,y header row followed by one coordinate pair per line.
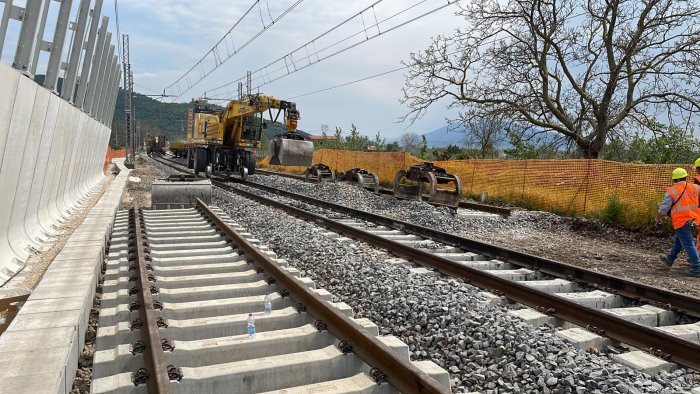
x,y
570,186
112,154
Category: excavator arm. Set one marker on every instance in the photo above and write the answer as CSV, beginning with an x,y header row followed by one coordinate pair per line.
x,y
288,149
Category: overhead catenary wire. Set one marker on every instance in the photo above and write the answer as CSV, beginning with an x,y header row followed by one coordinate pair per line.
x,y
148,89
324,89
489,42
349,83
381,74
291,64
220,54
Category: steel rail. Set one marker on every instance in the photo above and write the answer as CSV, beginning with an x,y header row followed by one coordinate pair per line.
x,y
402,374
168,162
676,302
153,356
668,346
505,211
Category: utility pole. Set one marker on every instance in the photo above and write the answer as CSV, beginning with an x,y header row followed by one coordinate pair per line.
x,y
130,140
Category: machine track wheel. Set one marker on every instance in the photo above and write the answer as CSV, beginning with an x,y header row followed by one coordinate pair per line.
x,y
359,180
363,179
397,183
190,158
200,160
249,163
375,178
432,187
316,172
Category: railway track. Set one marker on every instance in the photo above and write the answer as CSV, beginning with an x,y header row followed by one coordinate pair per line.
x,y
504,211
605,310
180,290
637,315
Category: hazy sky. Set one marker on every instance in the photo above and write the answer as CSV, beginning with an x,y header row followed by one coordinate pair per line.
x,y
168,37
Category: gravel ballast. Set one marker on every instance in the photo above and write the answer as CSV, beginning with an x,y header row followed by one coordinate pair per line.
x,y
441,318
580,242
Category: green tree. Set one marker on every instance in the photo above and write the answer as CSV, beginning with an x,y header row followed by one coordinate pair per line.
x,y
338,142
379,142
324,139
353,140
669,144
424,148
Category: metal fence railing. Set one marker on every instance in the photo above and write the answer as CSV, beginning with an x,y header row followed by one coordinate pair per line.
x,y
83,69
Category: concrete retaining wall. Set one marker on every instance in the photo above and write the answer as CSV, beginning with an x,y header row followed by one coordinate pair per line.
x,y
41,347
51,157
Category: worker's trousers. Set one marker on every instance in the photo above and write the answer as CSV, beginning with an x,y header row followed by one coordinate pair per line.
x,y
685,239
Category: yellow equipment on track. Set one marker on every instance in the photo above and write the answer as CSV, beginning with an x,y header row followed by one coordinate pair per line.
x,y
225,141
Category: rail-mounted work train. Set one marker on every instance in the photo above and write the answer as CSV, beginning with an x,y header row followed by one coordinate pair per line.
x,y
225,141
155,144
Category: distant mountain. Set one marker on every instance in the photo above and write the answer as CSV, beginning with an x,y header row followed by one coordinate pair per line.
x,y
441,138
438,138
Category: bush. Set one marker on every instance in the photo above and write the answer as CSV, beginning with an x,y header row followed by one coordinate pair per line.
x,y
614,211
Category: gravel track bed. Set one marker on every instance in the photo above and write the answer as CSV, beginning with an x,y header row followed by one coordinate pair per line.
x,y
580,242
442,318
138,188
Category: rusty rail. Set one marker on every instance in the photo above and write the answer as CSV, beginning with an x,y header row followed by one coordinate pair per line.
x,y
156,369
679,350
401,374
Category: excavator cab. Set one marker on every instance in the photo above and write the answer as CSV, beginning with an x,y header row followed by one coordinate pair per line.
x,y
291,149
252,128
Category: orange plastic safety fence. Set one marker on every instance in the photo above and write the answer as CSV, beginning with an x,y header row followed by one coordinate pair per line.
x,y
112,154
569,186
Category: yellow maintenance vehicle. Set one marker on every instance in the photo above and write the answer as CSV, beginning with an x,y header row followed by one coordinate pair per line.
x,y
225,141
155,144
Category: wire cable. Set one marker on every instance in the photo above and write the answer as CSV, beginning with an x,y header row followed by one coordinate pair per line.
x,y
289,63
149,89
484,43
349,83
220,53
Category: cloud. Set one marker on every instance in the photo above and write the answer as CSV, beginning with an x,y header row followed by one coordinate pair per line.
x,y
167,40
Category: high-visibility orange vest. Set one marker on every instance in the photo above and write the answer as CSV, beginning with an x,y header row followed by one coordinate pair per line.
x,y
696,180
685,195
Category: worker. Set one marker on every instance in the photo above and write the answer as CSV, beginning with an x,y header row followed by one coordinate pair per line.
x,y
682,203
696,180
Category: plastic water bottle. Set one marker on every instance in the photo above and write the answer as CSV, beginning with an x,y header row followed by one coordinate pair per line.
x,y
268,303
251,326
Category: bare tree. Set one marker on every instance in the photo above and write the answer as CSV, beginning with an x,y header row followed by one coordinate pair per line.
x,y
581,68
484,134
410,142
